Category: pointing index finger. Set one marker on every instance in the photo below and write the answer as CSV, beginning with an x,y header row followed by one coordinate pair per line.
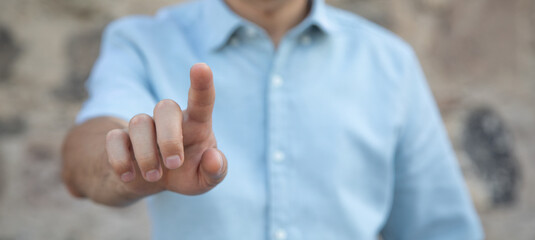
x,y
201,95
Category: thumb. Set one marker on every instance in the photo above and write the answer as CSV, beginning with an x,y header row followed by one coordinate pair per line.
x,y
213,168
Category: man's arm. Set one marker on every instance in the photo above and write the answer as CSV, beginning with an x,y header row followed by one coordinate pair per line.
x,y
86,170
116,163
430,198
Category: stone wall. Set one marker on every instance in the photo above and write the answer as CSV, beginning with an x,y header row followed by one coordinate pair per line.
x,y
479,57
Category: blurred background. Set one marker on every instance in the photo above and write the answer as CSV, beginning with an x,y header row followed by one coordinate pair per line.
x,y
478,55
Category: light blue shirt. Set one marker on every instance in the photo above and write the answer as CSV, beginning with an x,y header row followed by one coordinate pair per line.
x,y
332,135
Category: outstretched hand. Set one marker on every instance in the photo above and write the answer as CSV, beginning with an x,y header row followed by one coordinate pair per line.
x,y
175,150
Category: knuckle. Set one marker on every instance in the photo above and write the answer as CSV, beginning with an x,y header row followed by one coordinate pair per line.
x,y
115,134
119,165
166,104
203,102
140,119
146,158
170,144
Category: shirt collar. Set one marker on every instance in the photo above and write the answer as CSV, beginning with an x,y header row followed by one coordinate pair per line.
x,y
318,17
221,22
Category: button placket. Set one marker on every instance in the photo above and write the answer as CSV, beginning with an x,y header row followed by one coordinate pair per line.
x,y
277,146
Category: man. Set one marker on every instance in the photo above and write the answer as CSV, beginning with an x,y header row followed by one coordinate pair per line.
x,y
328,126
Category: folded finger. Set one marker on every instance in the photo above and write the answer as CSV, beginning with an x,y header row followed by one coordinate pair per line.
x,y
143,137
119,156
168,121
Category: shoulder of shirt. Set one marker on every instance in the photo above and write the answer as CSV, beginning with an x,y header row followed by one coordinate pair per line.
x,y
395,56
359,29
176,17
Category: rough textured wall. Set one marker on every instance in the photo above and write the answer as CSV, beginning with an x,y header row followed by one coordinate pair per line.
x,y
479,57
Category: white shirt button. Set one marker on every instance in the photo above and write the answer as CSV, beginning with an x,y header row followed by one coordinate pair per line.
x,y
306,40
278,156
277,81
250,32
280,235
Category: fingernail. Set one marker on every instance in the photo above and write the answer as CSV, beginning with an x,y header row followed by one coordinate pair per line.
x,y
173,162
220,158
127,176
152,175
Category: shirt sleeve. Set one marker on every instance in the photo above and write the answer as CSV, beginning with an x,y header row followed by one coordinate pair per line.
x,y
118,85
430,199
